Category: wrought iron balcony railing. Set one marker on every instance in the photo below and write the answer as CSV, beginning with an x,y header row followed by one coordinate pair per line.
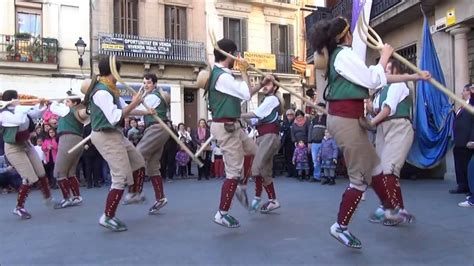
x,y
292,2
23,47
152,49
380,6
283,63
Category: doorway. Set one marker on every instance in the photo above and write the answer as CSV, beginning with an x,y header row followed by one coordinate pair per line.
x,y
190,108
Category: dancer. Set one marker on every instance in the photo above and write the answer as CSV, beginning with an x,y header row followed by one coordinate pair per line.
x,y
126,164
225,94
17,123
70,126
266,118
152,143
392,109
350,81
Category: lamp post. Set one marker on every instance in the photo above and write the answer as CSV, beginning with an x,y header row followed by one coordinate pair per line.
x,y
81,48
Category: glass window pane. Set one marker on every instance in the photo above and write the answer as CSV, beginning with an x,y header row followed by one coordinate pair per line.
x,y
29,23
235,32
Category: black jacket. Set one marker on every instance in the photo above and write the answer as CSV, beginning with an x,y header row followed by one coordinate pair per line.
x,y
463,127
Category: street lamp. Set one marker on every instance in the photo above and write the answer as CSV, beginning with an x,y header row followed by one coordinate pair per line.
x,y
81,48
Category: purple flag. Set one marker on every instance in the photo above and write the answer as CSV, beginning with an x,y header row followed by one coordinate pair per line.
x,y
357,6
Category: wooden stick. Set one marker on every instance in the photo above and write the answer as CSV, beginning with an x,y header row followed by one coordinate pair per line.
x,y
214,43
204,145
375,42
157,118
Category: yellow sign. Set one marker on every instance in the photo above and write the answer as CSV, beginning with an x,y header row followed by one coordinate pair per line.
x,y
261,60
450,17
115,47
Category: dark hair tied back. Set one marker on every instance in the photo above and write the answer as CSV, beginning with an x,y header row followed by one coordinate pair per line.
x,y
325,32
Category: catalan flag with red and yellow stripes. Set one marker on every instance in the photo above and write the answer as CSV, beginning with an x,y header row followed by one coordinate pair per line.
x,y
298,65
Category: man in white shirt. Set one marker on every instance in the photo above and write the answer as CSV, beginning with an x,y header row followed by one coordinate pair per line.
x,y
225,95
108,111
153,141
266,118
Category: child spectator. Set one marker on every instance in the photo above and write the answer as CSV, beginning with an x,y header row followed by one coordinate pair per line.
x,y
182,159
50,149
300,160
328,157
39,149
133,133
217,162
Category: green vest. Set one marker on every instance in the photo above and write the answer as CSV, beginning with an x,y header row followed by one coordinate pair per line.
x,y
70,124
403,107
161,110
339,87
9,134
98,119
273,116
222,105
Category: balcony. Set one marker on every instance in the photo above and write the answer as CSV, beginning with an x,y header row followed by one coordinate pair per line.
x,y
285,4
283,64
153,50
380,6
25,51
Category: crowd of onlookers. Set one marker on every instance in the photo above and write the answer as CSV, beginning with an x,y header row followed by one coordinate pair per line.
x,y
301,137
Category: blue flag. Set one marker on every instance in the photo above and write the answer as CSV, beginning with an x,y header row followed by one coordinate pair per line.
x,y
433,112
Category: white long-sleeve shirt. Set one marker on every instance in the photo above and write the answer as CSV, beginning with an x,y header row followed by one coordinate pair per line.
x,y
17,116
105,101
59,109
351,67
151,100
396,93
227,84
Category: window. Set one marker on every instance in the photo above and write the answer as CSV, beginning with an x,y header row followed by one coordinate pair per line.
x,y
282,46
126,17
175,23
28,21
236,30
409,53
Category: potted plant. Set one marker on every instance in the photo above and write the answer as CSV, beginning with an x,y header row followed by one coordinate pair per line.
x,y
10,52
36,50
22,35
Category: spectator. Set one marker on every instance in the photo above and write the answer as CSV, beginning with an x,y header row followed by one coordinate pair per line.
x,y
133,133
315,136
199,136
182,159
126,125
217,161
300,128
92,161
46,128
183,133
286,143
50,149
300,159
168,160
47,116
328,156
39,148
9,178
463,129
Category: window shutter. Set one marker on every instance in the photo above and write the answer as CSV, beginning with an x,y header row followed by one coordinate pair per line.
x,y
226,28
183,24
117,16
291,41
274,38
244,39
167,22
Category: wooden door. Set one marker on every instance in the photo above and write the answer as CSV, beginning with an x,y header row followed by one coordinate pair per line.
x,y
190,108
